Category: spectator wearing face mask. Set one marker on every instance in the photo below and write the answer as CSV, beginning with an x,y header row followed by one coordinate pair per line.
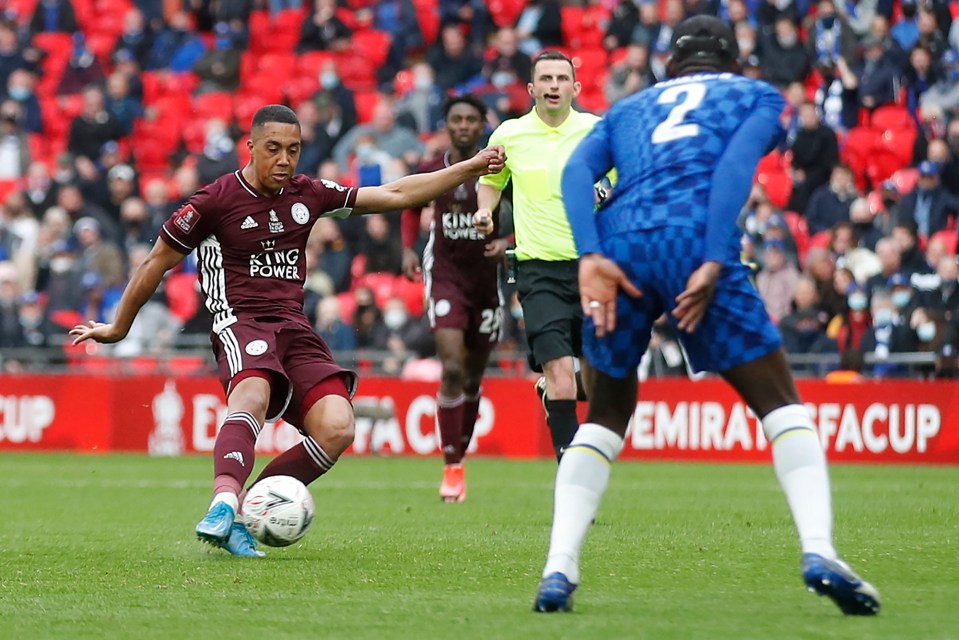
x,y
20,89
335,104
830,35
887,335
929,330
929,206
420,109
219,68
850,327
784,59
829,204
944,93
903,296
219,153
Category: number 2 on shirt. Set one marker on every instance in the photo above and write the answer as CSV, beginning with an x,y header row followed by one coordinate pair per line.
x,y
672,128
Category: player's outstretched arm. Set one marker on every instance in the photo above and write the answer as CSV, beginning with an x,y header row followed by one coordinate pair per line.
x,y
420,188
144,283
487,197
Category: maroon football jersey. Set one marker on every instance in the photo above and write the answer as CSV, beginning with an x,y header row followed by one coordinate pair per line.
x,y
251,247
455,248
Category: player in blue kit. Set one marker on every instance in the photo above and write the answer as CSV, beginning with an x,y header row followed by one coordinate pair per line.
x,y
686,150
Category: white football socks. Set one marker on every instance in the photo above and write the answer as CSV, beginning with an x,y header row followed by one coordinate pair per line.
x,y
581,481
229,498
800,465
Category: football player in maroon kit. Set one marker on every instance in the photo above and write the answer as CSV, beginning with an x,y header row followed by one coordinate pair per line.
x,y
460,268
249,229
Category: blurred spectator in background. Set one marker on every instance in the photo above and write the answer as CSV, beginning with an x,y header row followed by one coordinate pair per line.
x,y
59,278
930,206
336,105
622,22
397,141
944,298
473,14
539,26
508,65
38,188
777,281
371,332
863,224
14,148
784,59
20,89
887,335
815,153
398,19
804,329
420,109
649,26
945,92
125,63
83,68
878,74
156,195
219,153
384,252
136,37
11,55
135,227
219,68
176,47
906,30
837,96
335,332
324,31
97,255
453,62
121,184
850,326
630,75
120,104
821,267
890,262
334,256
90,130
154,329
315,143
829,204
53,16
949,172
11,334
930,36
36,327
920,74
911,257
829,35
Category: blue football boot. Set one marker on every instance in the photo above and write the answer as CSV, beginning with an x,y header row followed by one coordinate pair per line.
x,y
555,593
215,526
853,595
241,543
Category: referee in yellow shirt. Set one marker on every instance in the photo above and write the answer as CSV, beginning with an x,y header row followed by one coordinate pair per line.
x,y
537,147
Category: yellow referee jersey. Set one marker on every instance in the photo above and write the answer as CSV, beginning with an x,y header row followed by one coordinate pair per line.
x,y
536,156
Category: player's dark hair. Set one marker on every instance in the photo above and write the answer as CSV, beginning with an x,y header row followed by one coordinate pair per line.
x,y
552,54
274,113
702,44
466,98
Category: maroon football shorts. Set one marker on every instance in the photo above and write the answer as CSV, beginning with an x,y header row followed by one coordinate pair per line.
x,y
479,315
290,351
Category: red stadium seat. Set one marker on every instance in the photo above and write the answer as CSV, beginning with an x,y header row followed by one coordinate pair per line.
x,y
778,185
948,236
216,104
366,102
310,63
300,89
505,12
857,148
899,142
246,106
799,230
428,17
279,65
372,45
347,306
381,284
892,116
356,73
906,179
268,88
412,293
181,295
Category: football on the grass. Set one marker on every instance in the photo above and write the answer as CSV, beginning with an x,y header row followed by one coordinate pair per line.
x,y
278,510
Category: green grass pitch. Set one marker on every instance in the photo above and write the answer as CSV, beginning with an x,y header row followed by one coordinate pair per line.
x,y
102,547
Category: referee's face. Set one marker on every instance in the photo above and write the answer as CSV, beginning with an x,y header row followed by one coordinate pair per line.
x,y
553,87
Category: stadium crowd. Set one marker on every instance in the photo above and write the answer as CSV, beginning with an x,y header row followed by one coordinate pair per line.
x,y
112,112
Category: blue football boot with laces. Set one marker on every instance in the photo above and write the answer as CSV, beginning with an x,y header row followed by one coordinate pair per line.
x,y
241,543
853,595
555,593
215,526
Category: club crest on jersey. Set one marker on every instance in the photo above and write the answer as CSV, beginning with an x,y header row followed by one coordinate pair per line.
x,y
186,218
275,225
301,215
249,223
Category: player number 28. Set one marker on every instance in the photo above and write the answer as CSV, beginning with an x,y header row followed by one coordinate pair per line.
x,y
672,128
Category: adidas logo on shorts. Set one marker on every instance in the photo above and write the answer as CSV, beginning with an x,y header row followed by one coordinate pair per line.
x,y
249,223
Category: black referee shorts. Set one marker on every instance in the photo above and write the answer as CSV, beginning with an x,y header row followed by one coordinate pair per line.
x,y
549,293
